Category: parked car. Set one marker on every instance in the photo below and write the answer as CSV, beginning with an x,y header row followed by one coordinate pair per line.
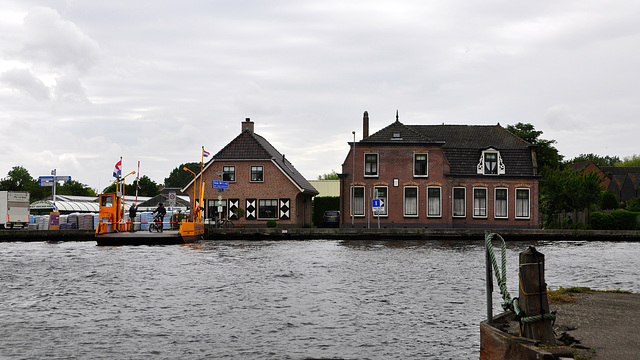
x,y
331,219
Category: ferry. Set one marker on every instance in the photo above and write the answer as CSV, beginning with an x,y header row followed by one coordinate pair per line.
x,y
114,230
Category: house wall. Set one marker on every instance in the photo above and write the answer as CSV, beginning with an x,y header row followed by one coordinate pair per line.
x,y
396,172
276,185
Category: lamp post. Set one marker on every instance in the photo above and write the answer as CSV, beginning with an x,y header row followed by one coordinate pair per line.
x,y
353,178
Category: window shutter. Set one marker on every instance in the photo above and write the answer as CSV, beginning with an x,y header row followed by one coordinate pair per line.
x,y
250,213
285,209
233,206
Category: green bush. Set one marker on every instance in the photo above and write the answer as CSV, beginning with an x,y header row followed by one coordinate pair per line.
x,y
617,220
634,205
272,223
609,201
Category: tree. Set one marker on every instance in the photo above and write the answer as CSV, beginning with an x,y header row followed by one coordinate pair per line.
x,y
147,187
633,160
601,161
547,155
178,177
73,187
568,190
18,179
330,176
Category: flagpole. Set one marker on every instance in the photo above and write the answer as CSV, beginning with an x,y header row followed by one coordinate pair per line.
x,y
137,182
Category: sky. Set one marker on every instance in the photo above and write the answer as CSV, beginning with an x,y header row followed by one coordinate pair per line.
x,y
83,83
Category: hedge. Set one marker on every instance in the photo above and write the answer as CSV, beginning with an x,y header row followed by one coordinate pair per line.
x,y
617,220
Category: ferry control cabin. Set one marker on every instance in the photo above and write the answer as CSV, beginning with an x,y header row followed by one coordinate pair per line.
x,y
262,184
439,176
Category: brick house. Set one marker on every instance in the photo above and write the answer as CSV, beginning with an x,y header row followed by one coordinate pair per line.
x,y
261,181
440,176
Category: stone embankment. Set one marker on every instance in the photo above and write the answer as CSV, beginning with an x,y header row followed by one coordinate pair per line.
x,y
351,234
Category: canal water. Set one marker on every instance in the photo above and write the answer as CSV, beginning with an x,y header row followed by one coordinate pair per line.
x,y
321,299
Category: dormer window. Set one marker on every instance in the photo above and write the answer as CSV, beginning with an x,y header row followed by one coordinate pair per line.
x,y
491,163
396,136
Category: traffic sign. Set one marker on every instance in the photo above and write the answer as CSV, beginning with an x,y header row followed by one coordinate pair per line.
x,y
49,180
377,203
220,184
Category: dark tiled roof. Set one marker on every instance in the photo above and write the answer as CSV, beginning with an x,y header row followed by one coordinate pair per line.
x,y
462,144
250,145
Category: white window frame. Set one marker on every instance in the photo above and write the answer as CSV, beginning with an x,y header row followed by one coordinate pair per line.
x,y
377,172
495,203
251,173
519,206
439,215
404,202
478,207
275,215
384,213
426,165
464,202
352,209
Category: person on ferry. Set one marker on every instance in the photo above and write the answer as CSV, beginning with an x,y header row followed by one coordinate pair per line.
x,y
161,211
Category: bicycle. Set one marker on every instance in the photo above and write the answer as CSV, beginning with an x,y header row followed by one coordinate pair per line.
x,y
156,224
224,223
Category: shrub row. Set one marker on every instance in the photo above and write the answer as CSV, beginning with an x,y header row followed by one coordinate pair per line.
x,y
617,220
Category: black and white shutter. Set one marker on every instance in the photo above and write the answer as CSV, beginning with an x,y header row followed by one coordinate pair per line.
x,y
250,213
284,206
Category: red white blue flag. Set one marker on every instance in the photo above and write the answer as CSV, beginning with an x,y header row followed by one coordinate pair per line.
x,y
118,170
205,153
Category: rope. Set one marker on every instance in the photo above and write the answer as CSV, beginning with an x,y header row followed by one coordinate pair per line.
x,y
508,302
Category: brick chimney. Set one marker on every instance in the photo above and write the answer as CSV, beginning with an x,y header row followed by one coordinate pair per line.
x,y
365,125
247,125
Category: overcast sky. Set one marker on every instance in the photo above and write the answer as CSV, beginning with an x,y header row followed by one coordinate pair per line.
x,y
83,83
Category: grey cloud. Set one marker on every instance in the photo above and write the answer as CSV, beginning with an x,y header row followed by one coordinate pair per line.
x,y
56,42
24,80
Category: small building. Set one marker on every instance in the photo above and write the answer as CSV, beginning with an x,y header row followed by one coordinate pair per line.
x,y
262,184
440,176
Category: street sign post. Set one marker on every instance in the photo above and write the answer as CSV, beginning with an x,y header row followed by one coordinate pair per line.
x,y
52,181
378,206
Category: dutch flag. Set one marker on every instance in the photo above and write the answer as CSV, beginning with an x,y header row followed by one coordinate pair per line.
x,y
205,153
118,170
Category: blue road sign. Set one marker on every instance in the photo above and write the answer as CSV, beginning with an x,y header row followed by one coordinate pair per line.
x,y
375,203
220,184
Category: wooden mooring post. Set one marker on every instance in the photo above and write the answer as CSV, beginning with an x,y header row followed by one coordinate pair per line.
x,y
533,296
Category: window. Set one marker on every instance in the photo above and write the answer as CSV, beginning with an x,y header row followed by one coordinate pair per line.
x,y
479,202
228,173
257,173
411,201
267,209
491,163
501,203
459,205
358,201
420,165
522,203
380,192
370,164
434,202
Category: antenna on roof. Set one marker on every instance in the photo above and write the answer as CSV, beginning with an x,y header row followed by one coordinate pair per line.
x,y
397,115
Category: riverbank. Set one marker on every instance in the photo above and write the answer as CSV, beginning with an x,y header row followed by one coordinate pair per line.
x,y
351,234
593,325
